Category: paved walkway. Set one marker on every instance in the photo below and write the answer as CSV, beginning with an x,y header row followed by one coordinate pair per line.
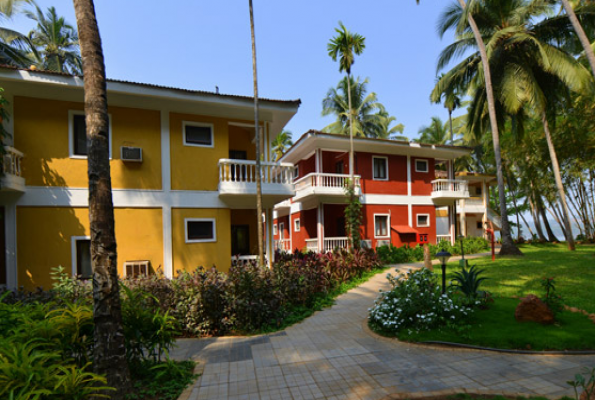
x,y
332,355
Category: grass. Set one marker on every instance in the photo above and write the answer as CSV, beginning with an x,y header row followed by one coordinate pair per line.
x,y
497,327
574,273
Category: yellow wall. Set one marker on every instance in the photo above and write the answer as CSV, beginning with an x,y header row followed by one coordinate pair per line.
x,y
44,239
41,132
241,139
189,256
193,167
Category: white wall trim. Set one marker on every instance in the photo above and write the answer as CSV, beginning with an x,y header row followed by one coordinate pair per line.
x,y
427,171
71,114
73,240
166,185
387,226
297,225
201,125
385,165
408,175
213,239
417,220
393,199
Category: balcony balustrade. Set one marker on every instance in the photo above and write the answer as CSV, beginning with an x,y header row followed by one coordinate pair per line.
x,y
317,183
12,179
444,191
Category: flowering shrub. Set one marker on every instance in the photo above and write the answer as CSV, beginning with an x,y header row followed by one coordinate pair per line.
x,y
415,302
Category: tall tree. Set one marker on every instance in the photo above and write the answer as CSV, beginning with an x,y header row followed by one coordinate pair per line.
x,y
435,133
55,41
259,220
14,46
345,46
462,25
281,143
109,346
580,32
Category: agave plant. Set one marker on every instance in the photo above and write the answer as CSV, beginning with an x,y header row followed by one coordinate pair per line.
x,y
468,282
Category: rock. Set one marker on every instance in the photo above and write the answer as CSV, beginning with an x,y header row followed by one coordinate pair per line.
x,y
592,390
531,308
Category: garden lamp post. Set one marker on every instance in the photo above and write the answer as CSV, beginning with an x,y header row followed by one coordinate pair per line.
x,y
443,256
462,262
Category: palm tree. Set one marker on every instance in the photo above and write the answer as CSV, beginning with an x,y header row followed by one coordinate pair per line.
x,y
345,46
14,46
435,133
56,42
109,347
281,143
580,32
469,34
451,102
388,132
368,118
259,220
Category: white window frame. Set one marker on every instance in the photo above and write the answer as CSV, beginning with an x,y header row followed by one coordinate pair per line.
x,y
71,114
297,225
415,161
202,125
387,226
275,229
213,220
281,230
296,172
417,220
373,169
73,240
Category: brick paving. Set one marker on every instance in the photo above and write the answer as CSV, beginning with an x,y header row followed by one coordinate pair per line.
x,y
332,355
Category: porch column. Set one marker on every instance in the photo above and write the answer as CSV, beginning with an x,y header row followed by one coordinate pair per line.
x,y
270,251
452,217
409,205
485,195
320,227
463,229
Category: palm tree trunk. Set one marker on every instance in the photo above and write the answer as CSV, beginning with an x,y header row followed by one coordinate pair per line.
x,y
452,137
257,137
559,184
109,347
580,32
508,246
351,156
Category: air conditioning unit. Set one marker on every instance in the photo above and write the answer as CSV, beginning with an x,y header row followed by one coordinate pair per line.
x,y
137,269
382,243
131,154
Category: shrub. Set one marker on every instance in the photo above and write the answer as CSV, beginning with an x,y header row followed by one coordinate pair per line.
x,y
553,300
415,302
468,281
397,255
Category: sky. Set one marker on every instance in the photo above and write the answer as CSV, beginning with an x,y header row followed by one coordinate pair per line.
x,y
202,44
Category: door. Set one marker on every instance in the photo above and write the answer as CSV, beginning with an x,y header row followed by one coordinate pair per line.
x,y
239,172
2,247
240,240
281,230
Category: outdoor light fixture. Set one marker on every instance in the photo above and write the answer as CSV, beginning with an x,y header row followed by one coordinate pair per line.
x,y
443,256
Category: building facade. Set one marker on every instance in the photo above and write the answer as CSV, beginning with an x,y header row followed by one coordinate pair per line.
x,y
182,167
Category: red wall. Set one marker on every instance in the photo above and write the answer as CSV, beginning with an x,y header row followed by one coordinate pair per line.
x,y
421,182
397,174
330,160
398,216
285,221
431,230
307,166
308,229
333,212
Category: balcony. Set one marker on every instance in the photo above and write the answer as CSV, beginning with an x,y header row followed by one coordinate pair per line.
x,y
326,185
237,183
283,245
445,191
12,179
330,244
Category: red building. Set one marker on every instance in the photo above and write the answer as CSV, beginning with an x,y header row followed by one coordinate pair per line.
x,y
396,182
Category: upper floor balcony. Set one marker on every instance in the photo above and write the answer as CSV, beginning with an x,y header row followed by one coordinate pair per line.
x,y
12,179
237,182
445,191
323,184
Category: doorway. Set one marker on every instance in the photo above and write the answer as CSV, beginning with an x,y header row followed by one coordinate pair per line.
x,y
240,240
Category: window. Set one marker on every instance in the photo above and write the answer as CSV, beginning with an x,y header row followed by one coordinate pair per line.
x,y
380,226
477,191
296,172
77,133
423,220
479,225
200,230
340,167
421,166
81,257
198,134
296,225
275,229
380,167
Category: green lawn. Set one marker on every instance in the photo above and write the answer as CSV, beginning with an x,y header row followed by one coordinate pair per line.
x,y
518,276
497,327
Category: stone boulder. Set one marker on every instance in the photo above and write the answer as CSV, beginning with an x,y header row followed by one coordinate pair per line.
x,y
531,308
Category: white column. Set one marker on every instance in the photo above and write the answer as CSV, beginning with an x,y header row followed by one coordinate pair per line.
x,y
10,231
320,226
409,205
269,237
485,196
463,217
166,187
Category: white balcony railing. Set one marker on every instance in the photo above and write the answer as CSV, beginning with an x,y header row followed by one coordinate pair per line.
x,y
449,189
283,245
245,171
317,183
440,238
312,245
11,164
333,243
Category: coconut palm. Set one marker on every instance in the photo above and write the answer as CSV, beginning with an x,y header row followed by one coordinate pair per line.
x,y
345,46
281,143
435,133
580,32
462,19
109,350
259,220
387,131
368,118
14,46
56,42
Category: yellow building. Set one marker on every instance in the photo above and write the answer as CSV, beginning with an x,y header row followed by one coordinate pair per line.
x,y
182,167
